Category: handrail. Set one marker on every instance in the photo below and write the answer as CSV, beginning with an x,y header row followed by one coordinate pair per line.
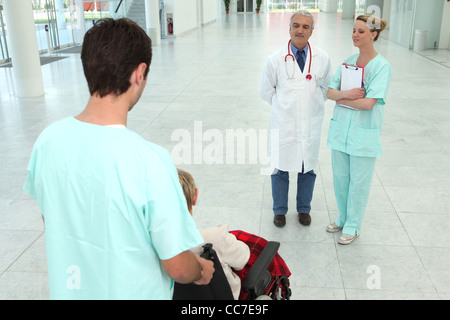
x,y
118,6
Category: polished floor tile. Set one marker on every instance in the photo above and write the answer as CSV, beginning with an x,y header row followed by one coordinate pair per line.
x,y
203,87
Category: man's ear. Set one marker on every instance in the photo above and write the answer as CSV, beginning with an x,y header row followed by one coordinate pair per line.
x,y
195,197
139,73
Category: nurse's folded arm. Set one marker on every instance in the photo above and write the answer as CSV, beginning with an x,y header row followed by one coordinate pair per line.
x,y
187,268
353,98
360,104
335,95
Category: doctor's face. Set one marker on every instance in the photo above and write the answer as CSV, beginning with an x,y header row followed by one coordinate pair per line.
x,y
300,30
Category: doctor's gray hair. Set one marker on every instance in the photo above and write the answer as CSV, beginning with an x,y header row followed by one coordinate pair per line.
x,y
302,13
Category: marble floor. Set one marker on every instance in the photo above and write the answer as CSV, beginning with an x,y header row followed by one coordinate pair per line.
x,y
441,56
204,85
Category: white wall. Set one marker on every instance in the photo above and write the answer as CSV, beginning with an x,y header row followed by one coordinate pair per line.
x,y
184,16
444,40
209,11
168,6
190,14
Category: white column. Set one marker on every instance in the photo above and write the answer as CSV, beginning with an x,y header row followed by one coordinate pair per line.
x,y
23,46
152,19
81,23
328,6
444,40
233,6
348,9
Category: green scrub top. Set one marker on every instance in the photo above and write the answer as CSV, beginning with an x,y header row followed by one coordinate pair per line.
x,y
358,133
113,208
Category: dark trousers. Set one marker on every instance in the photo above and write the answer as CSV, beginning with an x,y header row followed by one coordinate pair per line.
x,y
280,190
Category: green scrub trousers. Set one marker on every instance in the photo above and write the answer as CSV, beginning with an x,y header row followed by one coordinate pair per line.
x,y
351,187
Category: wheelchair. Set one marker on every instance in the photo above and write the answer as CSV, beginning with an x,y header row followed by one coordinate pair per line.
x,y
265,277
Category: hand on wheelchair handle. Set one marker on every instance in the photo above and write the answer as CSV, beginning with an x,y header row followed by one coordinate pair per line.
x,y
207,271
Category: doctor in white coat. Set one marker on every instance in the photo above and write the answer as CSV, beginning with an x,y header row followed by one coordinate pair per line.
x,y
294,83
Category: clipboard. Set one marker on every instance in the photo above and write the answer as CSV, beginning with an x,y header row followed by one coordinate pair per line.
x,y
352,76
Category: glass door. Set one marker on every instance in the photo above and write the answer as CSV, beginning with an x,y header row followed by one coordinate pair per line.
x,y
249,6
61,14
402,21
45,25
291,5
240,6
245,6
4,55
54,22
52,18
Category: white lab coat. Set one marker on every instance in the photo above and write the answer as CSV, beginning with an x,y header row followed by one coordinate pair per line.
x,y
297,108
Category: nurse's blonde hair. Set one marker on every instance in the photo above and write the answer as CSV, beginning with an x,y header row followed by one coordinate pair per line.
x,y
188,184
374,23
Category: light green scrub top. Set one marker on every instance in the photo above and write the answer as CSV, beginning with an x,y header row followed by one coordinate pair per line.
x,y
358,133
113,208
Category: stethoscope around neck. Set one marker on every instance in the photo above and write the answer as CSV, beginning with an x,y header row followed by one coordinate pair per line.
x,y
308,76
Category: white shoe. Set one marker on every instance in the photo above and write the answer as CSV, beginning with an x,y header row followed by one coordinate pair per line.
x,y
333,228
346,238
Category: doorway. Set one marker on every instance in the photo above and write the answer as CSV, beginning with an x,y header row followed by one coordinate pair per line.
x,y
244,6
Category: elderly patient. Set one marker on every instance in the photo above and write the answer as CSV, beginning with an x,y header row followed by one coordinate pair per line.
x,y
233,254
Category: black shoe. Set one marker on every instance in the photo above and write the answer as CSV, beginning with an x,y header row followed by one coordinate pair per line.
x,y
304,219
279,220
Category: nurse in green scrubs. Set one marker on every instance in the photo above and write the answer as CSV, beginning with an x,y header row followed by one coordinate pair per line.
x,y
354,134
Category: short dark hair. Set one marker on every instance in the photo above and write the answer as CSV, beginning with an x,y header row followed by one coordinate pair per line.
x,y
112,50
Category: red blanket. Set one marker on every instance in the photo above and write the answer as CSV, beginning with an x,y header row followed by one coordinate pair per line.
x,y
256,244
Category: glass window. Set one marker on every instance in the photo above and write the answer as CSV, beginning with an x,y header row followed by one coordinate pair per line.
x,y
291,5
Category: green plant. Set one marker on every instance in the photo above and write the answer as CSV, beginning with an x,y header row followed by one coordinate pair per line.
x,y
258,4
227,4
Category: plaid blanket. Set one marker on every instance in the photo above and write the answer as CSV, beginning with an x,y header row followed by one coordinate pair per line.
x,y
256,244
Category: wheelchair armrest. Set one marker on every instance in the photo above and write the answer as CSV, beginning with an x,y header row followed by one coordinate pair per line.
x,y
260,266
